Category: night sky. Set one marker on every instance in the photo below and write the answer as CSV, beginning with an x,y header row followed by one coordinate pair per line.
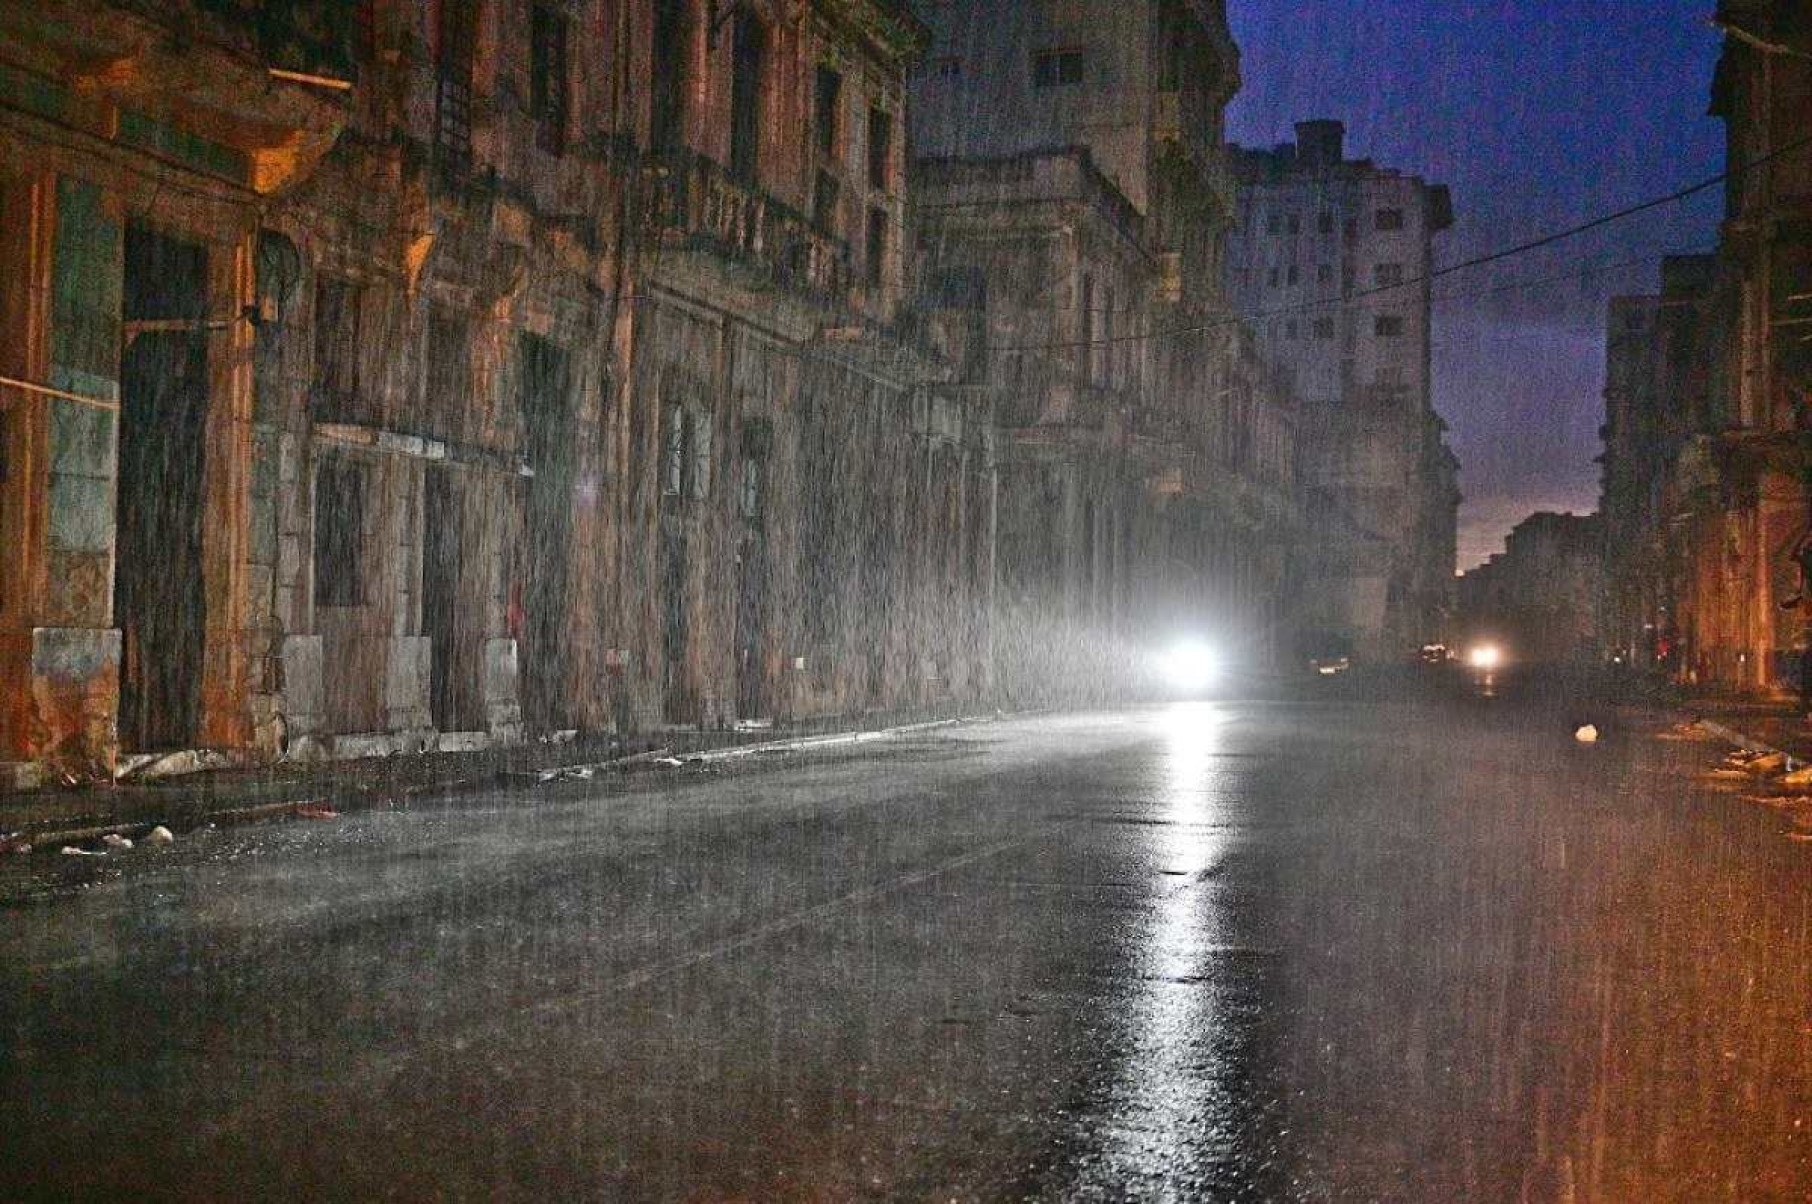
x,y
1538,114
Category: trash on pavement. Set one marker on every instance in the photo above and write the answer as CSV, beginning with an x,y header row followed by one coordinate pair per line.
x,y
1692,729
14,842
160,835
1767,763
114,840
316,811
566,773
1586,733
70,850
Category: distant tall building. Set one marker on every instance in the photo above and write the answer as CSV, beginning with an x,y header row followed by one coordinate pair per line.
x,y
1541,594
1328,259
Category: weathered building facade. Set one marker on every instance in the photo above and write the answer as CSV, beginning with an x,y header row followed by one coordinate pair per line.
x,y
138,170
1742,479
1109,108
1012,246
1329,261
1708,433
395,377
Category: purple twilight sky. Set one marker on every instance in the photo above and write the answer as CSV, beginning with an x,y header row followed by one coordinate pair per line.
x,y
1538,115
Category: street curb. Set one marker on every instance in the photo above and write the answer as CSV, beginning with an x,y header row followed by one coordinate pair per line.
x,y
1731,736
50,840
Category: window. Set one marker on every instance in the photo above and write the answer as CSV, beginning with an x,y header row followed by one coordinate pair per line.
x,y
456,39
827,108
747,80
753,468
1274,224
877,245
1390,376
1324,328
1291,330
1350,229
449,378
339,531
1385,275
880,148
1387,326
960,288
685,452
1273,278
949,67
1324,274
1389,219
1346,280
1056,68
668,104
1324,224
548,101
337,342
673,451
1294,224
1294,276
824,203
364,30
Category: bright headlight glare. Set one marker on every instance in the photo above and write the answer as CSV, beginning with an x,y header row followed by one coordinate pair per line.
x,y
1190,665
1485,656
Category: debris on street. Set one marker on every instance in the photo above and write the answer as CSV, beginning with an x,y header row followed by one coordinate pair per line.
x,y
1587,733
114,840
160,835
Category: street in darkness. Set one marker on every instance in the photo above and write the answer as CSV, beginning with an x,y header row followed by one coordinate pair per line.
x,y
1334,949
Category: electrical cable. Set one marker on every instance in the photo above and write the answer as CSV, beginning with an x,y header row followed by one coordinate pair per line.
x,y
1497,256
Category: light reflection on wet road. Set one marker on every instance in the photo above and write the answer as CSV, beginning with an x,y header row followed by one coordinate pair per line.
x,y
1221,951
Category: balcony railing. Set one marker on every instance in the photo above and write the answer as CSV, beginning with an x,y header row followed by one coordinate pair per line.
x,y
321,37
690,201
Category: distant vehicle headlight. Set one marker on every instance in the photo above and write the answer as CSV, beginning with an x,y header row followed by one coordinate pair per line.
x,y
1485,656
1191,665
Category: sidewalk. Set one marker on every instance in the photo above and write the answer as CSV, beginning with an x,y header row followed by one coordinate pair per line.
x,y
48,819
1756,725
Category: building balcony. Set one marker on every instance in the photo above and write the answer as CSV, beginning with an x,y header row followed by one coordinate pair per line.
x,y
214,87
690,202
313,37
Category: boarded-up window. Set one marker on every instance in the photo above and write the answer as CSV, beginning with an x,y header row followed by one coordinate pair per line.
x,y
449,375
340,490
337,343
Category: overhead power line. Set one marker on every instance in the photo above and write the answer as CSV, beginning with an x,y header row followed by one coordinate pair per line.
x,y
1522,248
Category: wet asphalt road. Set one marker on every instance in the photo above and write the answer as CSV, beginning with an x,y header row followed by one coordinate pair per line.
x,y
1422,950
